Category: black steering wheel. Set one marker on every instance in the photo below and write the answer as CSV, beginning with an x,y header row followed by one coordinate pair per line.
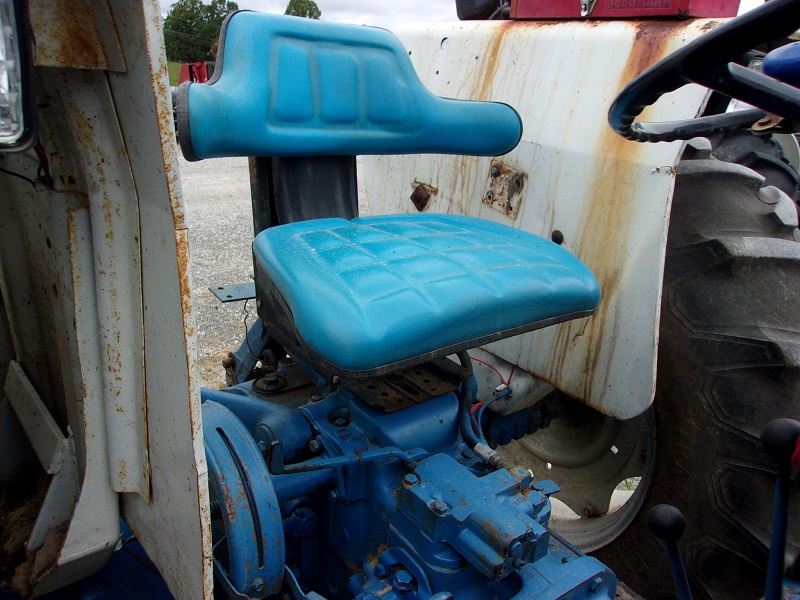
x,y
708,60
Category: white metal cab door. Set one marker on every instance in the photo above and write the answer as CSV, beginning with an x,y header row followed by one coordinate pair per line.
x,y
98,338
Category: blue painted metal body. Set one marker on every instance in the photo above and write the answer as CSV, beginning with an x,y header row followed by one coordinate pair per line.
x,y
247,504
784,63
128,575
391,505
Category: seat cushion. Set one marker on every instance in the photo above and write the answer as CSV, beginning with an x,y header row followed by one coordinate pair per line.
x,y
377,291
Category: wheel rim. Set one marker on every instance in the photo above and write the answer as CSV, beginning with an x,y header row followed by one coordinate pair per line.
x,y
588,455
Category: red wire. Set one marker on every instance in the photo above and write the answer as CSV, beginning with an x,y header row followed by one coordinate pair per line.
x,y
476,406
503,381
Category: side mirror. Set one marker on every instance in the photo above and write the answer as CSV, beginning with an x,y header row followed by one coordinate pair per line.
x,y
17,101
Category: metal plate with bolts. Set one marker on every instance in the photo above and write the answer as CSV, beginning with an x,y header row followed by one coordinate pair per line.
x,y
403,388
235,292
503,189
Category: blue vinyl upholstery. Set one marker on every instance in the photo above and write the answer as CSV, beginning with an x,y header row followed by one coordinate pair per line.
x,y
288,86
379,290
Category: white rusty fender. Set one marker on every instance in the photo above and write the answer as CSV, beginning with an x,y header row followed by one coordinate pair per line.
x,y
608,198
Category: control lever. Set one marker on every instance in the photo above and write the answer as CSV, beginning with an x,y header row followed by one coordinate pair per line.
x,y
667,523
779,439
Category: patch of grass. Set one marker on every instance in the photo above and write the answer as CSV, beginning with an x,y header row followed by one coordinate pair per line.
x,y
174,69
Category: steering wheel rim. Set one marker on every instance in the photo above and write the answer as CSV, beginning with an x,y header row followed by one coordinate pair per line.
x,y
708,61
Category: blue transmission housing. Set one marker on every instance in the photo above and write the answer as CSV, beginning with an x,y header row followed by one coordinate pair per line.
x,y
361,502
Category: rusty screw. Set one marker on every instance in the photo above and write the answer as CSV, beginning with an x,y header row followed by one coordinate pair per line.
x,y
258,584
421,197
495,171
411,479
440,508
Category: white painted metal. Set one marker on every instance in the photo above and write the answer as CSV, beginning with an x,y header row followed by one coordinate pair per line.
x,y
115,238
56,453
609,197
78,34
175,526
104,281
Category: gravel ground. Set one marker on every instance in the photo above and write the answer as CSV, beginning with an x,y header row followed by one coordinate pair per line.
x,y
217,194
219,215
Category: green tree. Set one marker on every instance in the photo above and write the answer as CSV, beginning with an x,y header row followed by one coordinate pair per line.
x,y
191,28
303,8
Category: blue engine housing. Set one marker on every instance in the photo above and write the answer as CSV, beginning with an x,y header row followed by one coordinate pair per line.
x,y
351,500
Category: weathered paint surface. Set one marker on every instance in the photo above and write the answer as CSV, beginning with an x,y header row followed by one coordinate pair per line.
x,y
175,526
78,34
99,304
117,267
609,197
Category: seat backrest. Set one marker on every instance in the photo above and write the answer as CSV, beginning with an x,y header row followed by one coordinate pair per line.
x,y
288,86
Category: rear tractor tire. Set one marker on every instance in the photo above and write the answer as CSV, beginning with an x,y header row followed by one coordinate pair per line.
x,y
729,363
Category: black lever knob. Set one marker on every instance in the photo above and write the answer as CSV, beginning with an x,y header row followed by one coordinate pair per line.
x,y
667,524
779,439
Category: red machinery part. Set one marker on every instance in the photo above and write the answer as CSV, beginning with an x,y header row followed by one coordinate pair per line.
x,y
617,9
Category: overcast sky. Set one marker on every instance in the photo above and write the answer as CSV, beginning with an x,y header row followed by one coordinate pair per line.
x,y
384,13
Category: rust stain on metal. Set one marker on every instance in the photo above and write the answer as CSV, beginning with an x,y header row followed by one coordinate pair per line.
x,y
488,67
607,218
711,25
182,255
66,35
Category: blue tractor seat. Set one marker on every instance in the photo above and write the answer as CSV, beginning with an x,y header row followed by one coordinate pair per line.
x,y
360,297
288,86
375,294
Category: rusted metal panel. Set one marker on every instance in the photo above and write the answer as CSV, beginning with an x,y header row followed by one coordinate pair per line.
x,y
117,266
175,526
78,34
407,387
99,305
49,297
608,199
